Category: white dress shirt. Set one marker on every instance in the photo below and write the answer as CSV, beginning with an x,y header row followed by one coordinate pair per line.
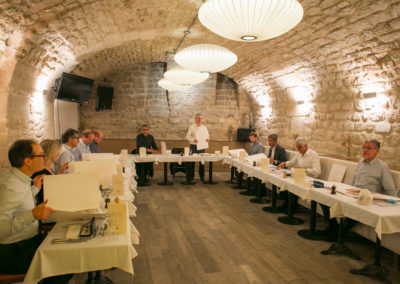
x,y
83,147
17,199
67,155
199,133
310,161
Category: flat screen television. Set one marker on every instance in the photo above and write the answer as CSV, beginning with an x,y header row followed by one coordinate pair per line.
x,y
74,88
243,134
104,97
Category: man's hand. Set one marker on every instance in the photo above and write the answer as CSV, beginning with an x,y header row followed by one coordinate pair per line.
x,y
195,141
207,140
272,160
64,167
280,166
38,181
41,211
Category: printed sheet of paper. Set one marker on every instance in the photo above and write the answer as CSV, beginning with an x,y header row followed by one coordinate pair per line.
x,y
72,192
265,164
242,156
225,150
337,173
104,169
202,144
235,152
96,156
118,184
118,217
142,152
299,176
163,148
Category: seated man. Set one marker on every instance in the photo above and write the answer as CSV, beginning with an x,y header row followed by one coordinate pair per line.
x,y
19,235
305,158
146,140
70,140
255,147
85,141
97,138
276,154
372,174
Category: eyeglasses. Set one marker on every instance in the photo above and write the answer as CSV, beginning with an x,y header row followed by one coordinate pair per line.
x,y
75,137
368,148
38,156
145,129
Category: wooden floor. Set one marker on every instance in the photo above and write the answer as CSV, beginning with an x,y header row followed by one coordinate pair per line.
x,y
211,234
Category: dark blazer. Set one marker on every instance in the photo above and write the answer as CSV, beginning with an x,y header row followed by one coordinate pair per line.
x,y
280,154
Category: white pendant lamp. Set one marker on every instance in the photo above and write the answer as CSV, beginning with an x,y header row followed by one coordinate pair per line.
x,y
183,76
250,20
171,86
206,58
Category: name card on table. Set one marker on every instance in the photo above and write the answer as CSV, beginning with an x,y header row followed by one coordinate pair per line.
x,y
265,164
299,175
72,192
142,152
186,151
225,150
163,148
118,184
242,156
117,217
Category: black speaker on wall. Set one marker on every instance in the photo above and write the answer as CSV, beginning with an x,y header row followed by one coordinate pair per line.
x,y
104,98
243,134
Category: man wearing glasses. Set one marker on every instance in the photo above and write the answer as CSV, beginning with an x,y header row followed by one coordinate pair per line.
x,y
372,174
70,140
19,235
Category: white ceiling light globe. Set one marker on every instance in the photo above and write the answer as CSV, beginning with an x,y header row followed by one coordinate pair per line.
x,y
171,86
206,58
183,76
250,20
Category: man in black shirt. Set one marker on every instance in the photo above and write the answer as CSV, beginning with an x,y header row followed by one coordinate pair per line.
x,y
146,140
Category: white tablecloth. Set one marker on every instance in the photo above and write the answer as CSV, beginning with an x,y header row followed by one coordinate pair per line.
x,y
102,252
385,220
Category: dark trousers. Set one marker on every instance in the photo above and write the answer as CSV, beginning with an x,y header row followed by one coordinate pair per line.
x,y
17,257
193,149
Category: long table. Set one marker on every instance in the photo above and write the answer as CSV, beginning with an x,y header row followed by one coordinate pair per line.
x,y
385,220
175,158
100,253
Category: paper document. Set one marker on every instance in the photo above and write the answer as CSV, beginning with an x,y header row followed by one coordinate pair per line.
x,y
337,173
118,184
142,152
103,168
225,150
186,151
202,144
118,217
163,148
299,176
72,192
265,165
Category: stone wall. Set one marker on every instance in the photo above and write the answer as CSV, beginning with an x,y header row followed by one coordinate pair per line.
x,y
340,52
138,99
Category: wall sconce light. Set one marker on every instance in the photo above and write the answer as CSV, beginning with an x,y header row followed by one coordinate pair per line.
x,y
370,100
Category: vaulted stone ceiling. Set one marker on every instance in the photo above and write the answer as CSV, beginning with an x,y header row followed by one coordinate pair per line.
x,y
339,46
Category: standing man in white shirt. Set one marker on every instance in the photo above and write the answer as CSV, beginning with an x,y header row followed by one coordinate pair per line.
x,y
198,138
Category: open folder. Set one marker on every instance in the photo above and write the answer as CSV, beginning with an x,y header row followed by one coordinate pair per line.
x,y
72,192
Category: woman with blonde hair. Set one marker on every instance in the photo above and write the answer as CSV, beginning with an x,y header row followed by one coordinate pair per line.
x,y
52,149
